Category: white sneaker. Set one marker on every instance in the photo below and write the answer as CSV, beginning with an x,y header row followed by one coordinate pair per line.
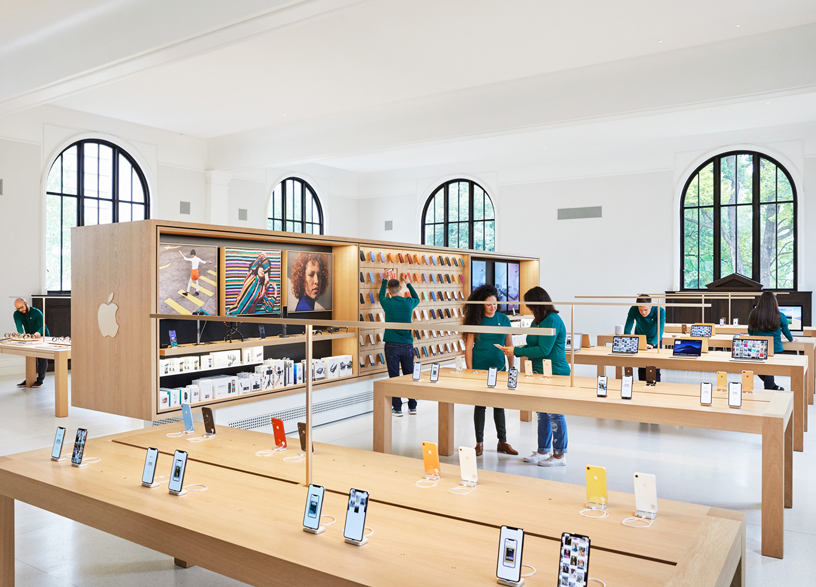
x,y
536,457
553,462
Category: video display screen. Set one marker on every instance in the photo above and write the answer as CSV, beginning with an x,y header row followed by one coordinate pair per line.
x,y
688,348
625,344
749,348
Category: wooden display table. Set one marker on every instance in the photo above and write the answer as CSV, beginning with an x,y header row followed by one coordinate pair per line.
x,y
728,329
249,527
764,413
59,354
791,366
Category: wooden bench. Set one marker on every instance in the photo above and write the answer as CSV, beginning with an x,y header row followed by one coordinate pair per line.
x,y
42,350
764,413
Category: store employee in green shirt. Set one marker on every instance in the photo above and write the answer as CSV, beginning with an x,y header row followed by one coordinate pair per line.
x,y
552,428
399,344
644,318
30,321
481,353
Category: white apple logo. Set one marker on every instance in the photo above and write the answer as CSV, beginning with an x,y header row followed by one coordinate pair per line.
x,y
107,318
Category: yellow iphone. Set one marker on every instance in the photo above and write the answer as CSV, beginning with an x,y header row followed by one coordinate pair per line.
x,y
748,381
722,381
596,486
430,458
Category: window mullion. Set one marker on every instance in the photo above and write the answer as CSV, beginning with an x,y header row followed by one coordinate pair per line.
x,y
471,226
755,185
717,178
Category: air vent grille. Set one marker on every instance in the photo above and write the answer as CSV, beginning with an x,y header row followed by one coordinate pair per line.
x,y
184,207
299,413
242,214
579,213
389,225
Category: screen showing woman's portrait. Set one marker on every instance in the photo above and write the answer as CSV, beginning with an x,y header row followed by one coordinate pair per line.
x,y
310,281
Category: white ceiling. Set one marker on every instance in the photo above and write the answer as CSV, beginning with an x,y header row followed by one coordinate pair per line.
x,y
381,52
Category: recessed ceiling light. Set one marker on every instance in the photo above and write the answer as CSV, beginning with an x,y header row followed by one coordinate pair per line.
x,y
659,41
739,25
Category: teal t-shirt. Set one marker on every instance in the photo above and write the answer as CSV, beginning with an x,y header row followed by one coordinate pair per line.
x,y
776,334
647,325
485,354
553,348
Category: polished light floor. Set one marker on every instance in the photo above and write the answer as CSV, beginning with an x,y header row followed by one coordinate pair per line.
x,y
713,468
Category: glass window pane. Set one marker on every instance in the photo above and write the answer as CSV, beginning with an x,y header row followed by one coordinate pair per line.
x,y
54,183
691,192
489,214
429,234
429,211
439,206
69,171
125,173
767,245
784,191
316,216
728,180
298,226
69,220
490,236
464,201
464,235
290,226
308,206
453,204
745,175
745,231
439,236
105,211
277,203
53,240
290,190
453,235
297,211
138,211
279,225
691,259
706,246
478,235
124,212
90,211
767,181
707,185
138,189
105,172
784,245
478,203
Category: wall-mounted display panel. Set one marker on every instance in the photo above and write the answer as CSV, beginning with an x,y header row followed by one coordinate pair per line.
x,y
188,279
252,282
309,279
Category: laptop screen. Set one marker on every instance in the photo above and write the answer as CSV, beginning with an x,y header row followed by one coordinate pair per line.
x,y
793,315
703,330
625,344
750,348
687,348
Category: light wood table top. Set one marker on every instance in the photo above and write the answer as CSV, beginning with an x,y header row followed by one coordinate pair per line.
x,y
43,349
249,527
500,498
40,349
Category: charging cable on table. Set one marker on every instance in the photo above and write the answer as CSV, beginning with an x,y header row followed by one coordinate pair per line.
x,y
200,438
295,459
533,573
604,514
201,487
459,489
268,452
637,519
334,520
597,581
432,479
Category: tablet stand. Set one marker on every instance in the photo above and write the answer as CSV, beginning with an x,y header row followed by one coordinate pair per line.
x,y
508,583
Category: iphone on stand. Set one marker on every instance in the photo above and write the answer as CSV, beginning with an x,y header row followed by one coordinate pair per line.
x,y
512,378
645,495
467,465
280,433
149,473
314,507
56,450
626,387
511,546
209,421
417,372
705,394
434,372
492,375
79,447
187,416
735,394
176,484
601,385
573,564
356,515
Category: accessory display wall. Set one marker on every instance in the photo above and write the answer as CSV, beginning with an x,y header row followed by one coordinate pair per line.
x,y
120,374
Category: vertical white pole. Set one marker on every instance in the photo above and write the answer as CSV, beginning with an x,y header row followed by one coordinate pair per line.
x,y
572,344
308,375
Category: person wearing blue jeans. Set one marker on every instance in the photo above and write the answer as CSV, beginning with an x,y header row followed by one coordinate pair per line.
x,y
399,344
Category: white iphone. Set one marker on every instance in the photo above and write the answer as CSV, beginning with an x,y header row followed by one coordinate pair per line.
x,y
56,451
705,394
187,414
601,385
512,378
492,375
626,387
149,473
356,515
735,394
467,465
434,372
646,494
176,483
511,546
417,371
314,507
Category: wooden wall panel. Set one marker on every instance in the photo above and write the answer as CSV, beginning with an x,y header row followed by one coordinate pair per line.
x,y
344,298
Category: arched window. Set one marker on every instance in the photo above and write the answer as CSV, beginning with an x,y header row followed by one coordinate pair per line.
x,y
294,207
739,216
91,182
460,214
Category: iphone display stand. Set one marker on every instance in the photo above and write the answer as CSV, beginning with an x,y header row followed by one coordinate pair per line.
x,y
646,515
59,460
596,506
87,462
208,435
178,493
319,530
156,482
467,483
357,542
508,583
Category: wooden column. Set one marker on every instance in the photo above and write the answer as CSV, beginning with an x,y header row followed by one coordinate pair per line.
x,y
183,564
31,371
382,420
6,541
61,385
308,374
446,424
789,463
773,486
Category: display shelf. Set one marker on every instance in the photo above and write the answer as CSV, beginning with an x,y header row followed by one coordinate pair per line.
x,y
207,347
196,371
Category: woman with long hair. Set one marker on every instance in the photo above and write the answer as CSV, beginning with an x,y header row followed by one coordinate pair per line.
x,y
310,279
766,320
253,296
552,428
481,353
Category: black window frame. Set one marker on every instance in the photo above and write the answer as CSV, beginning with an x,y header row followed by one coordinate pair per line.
x,y
80,190
756,203
445,188
304,185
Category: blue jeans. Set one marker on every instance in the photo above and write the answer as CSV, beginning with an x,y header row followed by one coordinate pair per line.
x,y
552,433
400,355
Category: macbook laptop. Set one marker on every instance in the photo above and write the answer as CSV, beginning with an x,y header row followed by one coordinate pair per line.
x,y
625,345
568,343
686,348
749,349
701,330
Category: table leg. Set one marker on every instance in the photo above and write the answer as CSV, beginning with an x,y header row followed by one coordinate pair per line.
x,y
183,564
60,385
799,410
31,371
789,464
773,487
526,416
6,541
618,373
382,422
601,370
445,438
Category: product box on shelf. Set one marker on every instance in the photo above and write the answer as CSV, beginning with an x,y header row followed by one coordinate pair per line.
x,y
345,365
164,367
205,388
299,372
277,373
164,399
318,369
252,355
186,395
175,397
221,386
243,385
195,394
223,359
205,362
332,367
266,372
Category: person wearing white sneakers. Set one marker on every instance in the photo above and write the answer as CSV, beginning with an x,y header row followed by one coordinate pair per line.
x,y
552,428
